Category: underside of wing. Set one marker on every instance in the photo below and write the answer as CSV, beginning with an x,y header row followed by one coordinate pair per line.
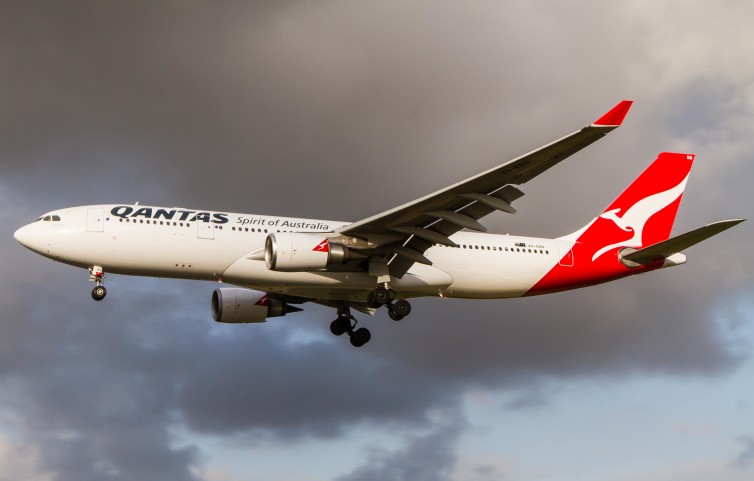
x,y
399,237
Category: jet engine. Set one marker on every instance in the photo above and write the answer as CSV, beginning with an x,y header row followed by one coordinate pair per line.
x,y
236,305
295,252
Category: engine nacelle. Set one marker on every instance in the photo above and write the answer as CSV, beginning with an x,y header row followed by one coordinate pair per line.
x,y
295,252
237,305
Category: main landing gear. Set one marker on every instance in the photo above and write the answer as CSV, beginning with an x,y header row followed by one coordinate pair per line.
x,y
346,323
382,295
96,275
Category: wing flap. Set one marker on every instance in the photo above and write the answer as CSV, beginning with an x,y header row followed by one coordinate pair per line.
x,y
429,235
490,201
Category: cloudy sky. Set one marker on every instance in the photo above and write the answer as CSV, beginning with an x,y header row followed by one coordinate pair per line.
x,y
339,110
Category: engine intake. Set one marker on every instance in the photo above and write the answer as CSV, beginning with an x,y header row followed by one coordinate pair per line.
x,y
295,252
236,305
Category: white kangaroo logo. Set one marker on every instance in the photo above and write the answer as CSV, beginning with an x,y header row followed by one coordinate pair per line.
x,y
638,214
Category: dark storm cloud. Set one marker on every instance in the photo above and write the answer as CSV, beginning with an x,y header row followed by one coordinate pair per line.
x,y
165,98
348,110
99,393
92,397
264,386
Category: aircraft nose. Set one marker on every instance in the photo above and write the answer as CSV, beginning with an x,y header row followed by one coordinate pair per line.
x,y
22,235
26,238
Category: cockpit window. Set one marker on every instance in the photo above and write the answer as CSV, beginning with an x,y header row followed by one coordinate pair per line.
x,y
49,218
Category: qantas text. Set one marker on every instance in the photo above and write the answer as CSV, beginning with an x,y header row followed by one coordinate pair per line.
x,y
126,211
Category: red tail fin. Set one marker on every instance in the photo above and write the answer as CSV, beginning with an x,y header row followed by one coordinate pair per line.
x,y
642,215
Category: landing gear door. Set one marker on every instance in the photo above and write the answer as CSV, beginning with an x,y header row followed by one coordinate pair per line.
x,y
205,230
95,220
566,254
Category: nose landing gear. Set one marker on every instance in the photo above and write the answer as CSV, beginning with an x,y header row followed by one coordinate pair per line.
x,y
96,275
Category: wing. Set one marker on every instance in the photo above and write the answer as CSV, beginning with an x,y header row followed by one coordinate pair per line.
x,y
401,235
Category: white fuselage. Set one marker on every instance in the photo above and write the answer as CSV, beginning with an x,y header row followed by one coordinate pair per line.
x,y
226,247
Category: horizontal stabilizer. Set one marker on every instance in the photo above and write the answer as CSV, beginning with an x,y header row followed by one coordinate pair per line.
x,y
676,244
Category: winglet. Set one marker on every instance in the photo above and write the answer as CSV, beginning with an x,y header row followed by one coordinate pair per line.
x,y
616,115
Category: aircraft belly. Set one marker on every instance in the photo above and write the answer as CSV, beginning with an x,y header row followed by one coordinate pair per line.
x,y
420,281
157,253
495,278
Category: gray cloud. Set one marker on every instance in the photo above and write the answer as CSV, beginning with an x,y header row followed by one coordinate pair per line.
x,y
745,459
428,457
353,109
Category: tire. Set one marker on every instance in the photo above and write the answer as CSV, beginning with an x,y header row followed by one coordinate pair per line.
x,y
371,302
394,315
402,308
360,337
99,293
340,326
381,295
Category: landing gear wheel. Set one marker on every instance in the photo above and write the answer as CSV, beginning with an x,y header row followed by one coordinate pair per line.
x,y
372,302
340,326
402,308
99,293
360,336
381,295
394,315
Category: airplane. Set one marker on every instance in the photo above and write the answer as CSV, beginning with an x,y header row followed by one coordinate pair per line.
x,y
432,246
